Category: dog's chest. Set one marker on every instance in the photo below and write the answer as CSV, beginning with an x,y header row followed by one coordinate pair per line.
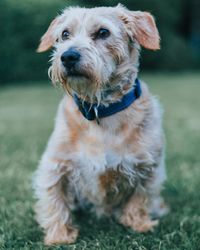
x,y
104,169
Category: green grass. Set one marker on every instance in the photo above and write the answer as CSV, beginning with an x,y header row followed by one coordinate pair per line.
x,y
26,121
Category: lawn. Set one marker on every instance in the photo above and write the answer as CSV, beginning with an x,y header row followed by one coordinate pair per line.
x,y
26,121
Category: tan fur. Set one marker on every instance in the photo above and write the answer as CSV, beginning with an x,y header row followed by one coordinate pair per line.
x,y
118,165
141,26
135,215
48,38
61,234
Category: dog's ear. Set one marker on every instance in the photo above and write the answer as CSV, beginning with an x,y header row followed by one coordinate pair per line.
x,y
140,26
48,39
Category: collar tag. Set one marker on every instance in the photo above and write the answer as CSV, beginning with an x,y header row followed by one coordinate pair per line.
x,y
96,115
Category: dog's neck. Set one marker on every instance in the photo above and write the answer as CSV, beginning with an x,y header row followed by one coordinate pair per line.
x,y
95,111
118,87
116,96
123,81
114,90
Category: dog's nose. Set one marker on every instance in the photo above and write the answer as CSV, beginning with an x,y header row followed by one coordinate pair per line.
x,y
70,57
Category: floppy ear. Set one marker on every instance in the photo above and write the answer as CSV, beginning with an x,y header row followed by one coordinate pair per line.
x,y
48,38
141,26
146,32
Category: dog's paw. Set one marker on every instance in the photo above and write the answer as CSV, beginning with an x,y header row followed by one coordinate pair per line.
x,y
145,226
138,220
61,235
140,225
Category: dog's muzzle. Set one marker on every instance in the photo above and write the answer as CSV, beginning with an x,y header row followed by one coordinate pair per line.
x,y
70,59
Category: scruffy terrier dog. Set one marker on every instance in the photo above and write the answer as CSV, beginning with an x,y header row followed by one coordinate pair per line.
x,y
107,145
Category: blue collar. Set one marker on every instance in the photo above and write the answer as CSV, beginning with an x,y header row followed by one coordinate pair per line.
x,y
92,112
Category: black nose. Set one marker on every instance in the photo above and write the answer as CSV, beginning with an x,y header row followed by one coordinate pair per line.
x,y
70,57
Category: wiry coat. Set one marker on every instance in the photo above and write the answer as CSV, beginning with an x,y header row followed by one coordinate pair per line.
x,y
118,166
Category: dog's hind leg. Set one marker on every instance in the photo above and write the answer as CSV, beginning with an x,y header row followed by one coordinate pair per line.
x,y
157,207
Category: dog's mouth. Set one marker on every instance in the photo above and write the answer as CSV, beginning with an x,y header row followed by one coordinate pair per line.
x,y
74,73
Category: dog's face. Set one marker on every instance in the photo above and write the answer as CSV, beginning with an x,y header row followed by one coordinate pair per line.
x,y
94,46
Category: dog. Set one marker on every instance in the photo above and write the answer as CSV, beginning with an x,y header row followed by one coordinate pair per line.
x,y
107,147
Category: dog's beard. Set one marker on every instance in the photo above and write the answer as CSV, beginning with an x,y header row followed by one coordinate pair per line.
x,y
87,86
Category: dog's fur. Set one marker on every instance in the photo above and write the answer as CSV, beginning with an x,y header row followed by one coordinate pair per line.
x,y
118,165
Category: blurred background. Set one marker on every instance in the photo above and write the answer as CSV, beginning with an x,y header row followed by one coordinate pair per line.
x,y
28,104
22,23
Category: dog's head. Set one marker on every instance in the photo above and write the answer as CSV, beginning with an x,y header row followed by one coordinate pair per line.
x,y
93,47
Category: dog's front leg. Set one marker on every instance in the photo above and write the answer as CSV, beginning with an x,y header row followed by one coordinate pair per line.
x,y
135,214
52,207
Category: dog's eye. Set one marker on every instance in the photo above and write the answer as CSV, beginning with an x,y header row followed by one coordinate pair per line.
x,y
102,33
65,35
